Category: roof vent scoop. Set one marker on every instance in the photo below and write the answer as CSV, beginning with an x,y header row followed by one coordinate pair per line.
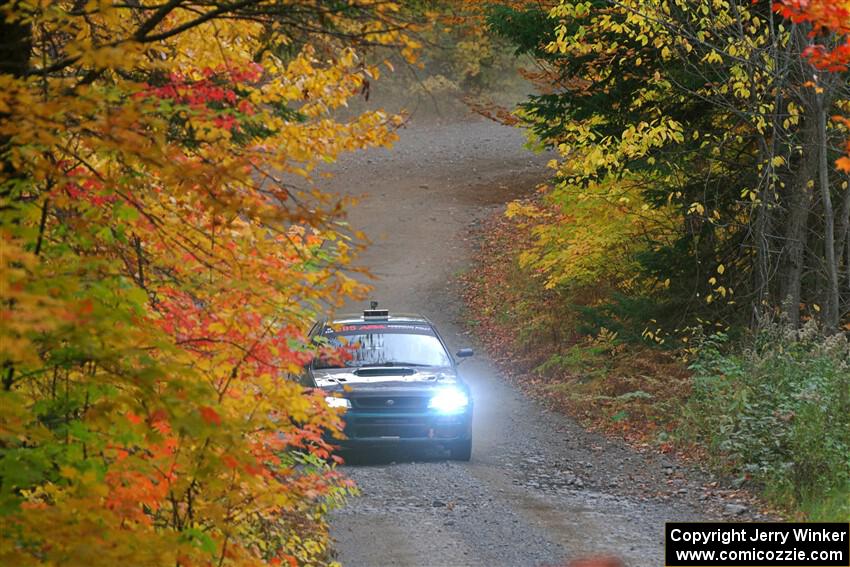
x,y
374,313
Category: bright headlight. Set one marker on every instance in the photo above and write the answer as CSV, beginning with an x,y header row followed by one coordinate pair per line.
x,y
335,402
449,400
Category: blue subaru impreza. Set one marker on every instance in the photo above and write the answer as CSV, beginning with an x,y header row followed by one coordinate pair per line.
x,y
398,384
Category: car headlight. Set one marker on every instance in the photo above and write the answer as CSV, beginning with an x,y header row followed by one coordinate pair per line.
x,y
335,402
449,400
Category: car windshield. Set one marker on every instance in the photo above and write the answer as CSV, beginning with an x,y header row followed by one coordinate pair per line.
x,y
386,345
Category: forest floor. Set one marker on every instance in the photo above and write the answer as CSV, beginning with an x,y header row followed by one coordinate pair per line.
x,y
541,488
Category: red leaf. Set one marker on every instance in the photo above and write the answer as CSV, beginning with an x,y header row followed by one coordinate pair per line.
x,y
210,415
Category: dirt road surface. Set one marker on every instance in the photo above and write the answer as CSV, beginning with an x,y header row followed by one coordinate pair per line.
x,y
539,490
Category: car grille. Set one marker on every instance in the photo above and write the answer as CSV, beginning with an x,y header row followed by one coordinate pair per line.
x,y
391,403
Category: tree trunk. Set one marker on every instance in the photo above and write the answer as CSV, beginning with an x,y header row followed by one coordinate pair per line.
x,y
847,262
847,267
830,313
796,229
762,230
842,255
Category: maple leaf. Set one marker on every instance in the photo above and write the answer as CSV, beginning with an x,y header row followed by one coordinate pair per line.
x,y
210,415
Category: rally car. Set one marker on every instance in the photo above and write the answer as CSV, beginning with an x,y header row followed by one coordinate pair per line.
x,y
396,383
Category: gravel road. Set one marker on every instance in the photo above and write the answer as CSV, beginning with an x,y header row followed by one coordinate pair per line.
x,y
539,489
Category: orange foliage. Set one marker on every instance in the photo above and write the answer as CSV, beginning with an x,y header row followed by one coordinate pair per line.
x,y
162,250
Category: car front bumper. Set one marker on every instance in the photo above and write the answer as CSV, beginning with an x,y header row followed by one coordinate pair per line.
x,y
364,428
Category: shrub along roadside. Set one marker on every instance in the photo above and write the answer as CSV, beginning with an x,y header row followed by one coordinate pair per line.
x,y
778,412
775,414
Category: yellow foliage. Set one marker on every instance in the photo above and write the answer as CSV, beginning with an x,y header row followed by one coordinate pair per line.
x,y
591,235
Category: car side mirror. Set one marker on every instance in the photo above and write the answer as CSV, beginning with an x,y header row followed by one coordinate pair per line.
x,y
464,353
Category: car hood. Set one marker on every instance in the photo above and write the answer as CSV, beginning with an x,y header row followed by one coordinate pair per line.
x,y
383,378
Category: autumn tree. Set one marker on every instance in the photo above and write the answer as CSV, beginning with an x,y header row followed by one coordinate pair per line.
x,y
701,131
829,51
162,250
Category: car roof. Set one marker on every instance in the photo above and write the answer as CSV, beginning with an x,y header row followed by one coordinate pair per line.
x,y
351,318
